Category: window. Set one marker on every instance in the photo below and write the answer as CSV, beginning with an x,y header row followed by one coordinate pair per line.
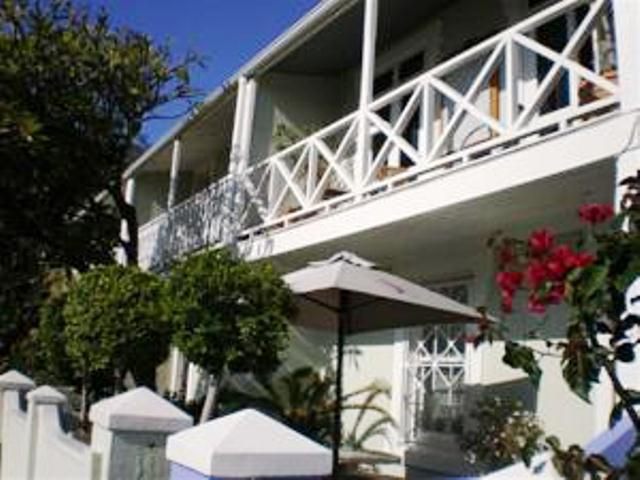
x,y
436,375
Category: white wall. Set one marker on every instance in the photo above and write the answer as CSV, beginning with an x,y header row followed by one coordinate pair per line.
x,y
152,189
14,438
299,101
57,455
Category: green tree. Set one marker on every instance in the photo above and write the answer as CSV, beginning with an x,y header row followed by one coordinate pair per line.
x,y
75,92
116,319
231,316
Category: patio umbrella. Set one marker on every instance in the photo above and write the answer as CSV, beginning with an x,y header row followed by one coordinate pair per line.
x,y
346,293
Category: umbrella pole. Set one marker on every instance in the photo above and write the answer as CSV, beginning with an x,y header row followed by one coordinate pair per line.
x,y
343,320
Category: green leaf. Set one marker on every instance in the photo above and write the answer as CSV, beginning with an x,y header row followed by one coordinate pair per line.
x,y
580,367
522,357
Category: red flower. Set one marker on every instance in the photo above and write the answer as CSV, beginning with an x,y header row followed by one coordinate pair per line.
x,y
507,302
536,305
557,294
509,281
563,255
535,274
556,269
582,259
540,242
506,255
594,213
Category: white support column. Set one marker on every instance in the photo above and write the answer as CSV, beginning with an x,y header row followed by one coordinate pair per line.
x,y
178,364
177,358
366,90
194,381
236,135
176,160
246,133
129,197
627,19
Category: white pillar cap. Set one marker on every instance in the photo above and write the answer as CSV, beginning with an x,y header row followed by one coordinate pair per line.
x,y
46,395
14,380
248,444
139,410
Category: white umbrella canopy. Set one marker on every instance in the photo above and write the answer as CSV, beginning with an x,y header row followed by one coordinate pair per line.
x,y
375,300
347,294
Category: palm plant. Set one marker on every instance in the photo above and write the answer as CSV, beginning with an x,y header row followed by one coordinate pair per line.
x,y
304,400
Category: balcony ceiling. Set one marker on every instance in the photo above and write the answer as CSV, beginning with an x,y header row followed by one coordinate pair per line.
x,y
208,138
337,47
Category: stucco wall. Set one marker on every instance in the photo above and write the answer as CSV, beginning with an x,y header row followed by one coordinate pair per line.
x,y
152,189
58,456
303,102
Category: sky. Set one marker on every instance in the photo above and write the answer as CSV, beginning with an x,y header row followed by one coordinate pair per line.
x,y
227,33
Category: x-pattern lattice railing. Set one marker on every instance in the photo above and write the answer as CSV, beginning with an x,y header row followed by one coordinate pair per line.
x,y
519,85
508,87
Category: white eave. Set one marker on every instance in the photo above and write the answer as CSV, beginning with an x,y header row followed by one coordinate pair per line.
x,y
316,19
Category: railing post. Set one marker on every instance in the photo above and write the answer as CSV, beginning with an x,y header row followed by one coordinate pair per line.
x,y
13,454
367,77
130,432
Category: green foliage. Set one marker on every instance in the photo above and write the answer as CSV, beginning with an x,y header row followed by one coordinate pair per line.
x,y
521,356
75,93
286,135
230,315
305,400
575,464
592,280
504,434
116,319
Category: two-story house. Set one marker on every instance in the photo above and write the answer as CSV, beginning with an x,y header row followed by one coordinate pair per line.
x,y
409,132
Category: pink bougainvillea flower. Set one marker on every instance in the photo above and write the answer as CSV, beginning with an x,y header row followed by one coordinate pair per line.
x,y
536,305
595,213
563,256
556,268
506,255
557,294
507,302
535,274
540,242
583,259
509,281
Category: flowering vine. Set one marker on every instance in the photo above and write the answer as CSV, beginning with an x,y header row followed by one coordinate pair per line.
x,y
592,278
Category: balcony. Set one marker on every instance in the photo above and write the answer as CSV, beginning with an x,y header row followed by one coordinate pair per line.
x,y
554,72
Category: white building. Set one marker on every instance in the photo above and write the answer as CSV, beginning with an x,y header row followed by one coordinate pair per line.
x,y
409,132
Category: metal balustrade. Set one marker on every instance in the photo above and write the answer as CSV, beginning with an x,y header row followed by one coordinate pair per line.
x,y
510,89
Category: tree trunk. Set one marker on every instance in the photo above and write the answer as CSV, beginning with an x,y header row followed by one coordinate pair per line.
x,y
210,406
84,414
130,218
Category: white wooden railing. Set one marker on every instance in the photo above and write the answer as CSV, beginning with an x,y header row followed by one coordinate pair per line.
x,y
504,92
490,97
194,224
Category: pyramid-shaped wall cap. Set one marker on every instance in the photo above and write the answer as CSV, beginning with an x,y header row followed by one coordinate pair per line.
x,y
248,444
139,410
46,395
14,380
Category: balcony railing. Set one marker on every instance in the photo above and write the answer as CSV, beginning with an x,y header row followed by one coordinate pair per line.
x,y
515,87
